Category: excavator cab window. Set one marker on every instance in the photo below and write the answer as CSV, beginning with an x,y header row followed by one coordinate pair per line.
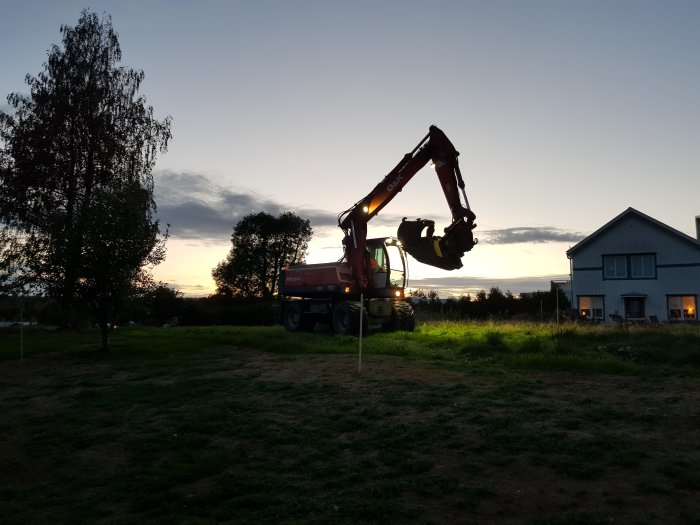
x,y
377,263
378,258
387,263
397,265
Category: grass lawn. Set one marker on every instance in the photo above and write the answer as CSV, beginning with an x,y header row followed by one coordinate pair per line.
x,y
454,423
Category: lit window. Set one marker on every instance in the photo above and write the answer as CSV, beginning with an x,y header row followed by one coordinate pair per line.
x,y
591,307
682,308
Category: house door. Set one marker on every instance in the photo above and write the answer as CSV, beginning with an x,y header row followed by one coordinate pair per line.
x,y
634,308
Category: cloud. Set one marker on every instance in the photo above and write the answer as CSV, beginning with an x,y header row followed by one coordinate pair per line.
x,y
191,290
528,234
197,208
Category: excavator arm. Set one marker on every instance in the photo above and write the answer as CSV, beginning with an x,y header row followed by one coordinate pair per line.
x,y
443,252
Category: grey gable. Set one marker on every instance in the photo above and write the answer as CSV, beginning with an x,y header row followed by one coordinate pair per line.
x,y
628,212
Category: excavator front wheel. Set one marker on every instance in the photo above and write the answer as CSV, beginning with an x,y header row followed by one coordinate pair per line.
x,y
346,318
402,318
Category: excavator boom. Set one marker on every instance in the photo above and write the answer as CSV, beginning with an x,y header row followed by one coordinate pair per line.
x,y
443,252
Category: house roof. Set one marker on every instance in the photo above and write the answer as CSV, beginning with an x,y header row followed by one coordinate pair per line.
x,y
631,212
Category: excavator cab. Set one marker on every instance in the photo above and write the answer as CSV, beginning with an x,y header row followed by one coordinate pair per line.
x,y
387,267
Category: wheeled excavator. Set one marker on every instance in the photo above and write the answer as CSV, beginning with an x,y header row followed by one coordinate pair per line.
x,y
368,283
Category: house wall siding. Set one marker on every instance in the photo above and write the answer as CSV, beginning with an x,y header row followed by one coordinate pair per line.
x,y
677,266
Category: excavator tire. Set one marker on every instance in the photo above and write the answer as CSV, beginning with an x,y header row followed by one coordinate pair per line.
x,y
402,318
346,318
294,318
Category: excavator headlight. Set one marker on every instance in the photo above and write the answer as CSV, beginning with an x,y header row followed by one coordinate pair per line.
x,y
365,209
398,293
437,163
347,289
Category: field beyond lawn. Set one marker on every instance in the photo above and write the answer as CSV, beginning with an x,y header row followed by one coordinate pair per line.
x,y
468,423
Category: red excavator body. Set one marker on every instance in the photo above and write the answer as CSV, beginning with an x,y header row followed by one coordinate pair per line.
x,y
369,281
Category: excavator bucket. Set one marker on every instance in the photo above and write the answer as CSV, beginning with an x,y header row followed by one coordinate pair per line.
x,y
444,252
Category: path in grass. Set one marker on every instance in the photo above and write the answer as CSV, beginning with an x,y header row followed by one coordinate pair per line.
x,y
244,436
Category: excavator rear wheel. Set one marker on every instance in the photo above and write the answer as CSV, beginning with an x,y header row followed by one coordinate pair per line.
x,y
346,318
294,318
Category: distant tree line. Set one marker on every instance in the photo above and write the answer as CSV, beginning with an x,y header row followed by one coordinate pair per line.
x,y
162,305
159,306
494,304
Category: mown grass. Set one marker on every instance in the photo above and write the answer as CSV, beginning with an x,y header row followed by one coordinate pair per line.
x,y
539,346
491,423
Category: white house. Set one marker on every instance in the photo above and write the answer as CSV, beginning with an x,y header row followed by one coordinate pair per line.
x,y
637,268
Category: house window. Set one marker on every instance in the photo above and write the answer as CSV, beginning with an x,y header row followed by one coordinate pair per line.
x,y
591,307
615,266
682,308
632,266
642,266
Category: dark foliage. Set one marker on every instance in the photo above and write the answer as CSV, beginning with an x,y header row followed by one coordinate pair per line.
x,y
76,187
261,246
222,310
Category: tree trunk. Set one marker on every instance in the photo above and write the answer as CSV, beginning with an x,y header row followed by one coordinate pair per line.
x,y
104,332
104,325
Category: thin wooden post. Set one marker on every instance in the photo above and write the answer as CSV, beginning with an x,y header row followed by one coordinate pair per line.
x,y
21,334
359,353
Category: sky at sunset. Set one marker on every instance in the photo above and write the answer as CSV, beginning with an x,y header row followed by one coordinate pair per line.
x,y
565,114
